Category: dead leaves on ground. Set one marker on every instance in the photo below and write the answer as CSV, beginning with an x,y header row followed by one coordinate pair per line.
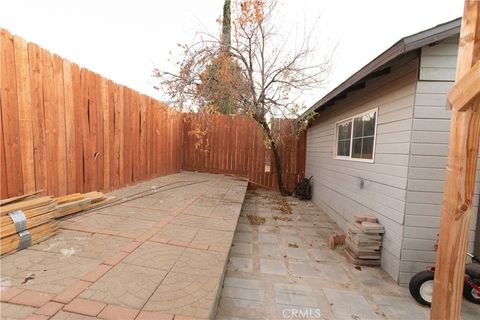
x,y
255,220
282,205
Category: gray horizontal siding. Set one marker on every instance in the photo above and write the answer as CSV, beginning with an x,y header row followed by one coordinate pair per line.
x,y
336,183
438,62
429,149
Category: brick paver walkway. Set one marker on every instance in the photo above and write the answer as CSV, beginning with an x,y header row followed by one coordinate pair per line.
x,y
162,256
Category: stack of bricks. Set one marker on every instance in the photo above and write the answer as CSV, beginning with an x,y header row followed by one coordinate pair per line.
x,y
364,240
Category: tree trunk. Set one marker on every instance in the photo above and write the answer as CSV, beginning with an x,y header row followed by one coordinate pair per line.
x,y
278,169
226,27
278,163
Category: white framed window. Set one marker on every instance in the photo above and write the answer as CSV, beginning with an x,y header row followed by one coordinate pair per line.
x,y
355,137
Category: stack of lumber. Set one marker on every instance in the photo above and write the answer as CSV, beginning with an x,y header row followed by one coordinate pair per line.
x,y
77,202
364,240
26,220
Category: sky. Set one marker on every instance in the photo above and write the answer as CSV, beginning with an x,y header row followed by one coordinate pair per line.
x,y
124,40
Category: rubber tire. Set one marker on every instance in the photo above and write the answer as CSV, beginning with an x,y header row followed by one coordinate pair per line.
x,y
415,284
467,292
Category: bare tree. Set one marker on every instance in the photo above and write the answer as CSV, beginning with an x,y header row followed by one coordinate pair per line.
x,y
260,75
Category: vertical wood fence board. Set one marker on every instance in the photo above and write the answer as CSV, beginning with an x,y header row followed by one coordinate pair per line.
x,y
70,125
38,123
3,168
24,113
78,124
61,129
106,145
51,125
86,110
120,130
113,96
10,114
99,151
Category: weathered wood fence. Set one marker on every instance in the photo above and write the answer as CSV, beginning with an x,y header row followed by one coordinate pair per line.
x,y
65,129
236,146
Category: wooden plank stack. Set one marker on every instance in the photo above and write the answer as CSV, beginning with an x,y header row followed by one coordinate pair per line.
x,y
364,240
77,202
35,216
29,219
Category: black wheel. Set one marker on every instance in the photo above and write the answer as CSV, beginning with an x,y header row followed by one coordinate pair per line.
x,y
470,293
421,287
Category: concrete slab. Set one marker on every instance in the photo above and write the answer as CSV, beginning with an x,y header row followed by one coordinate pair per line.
x,y
240,264
269,250
239,248
348,304
271,266
311,281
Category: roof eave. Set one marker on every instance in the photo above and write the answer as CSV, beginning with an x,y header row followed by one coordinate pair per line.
x,y
402,46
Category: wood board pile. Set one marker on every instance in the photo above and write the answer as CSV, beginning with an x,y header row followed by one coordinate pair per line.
x,y
364,241
77,202
26,220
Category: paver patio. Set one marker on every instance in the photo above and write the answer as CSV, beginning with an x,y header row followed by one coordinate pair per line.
x,y
156,257
268,279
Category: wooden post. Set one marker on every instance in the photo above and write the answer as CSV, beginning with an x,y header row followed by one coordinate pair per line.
x,y
460,173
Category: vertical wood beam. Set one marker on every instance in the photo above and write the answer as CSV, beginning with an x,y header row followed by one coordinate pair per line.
x,y
460,181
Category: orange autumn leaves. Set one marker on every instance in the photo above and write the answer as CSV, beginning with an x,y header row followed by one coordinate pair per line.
x,y
251,11
222,84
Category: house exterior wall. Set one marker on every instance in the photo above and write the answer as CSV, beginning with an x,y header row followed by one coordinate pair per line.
x,y
337,183
428,158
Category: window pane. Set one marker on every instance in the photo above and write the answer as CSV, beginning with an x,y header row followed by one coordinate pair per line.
x,y
369,124
357,127
344,131
343,148
357,148
367,148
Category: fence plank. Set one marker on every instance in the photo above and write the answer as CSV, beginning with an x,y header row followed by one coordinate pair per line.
x,y
69,126
78,106
51,125
38,124
3,168
61,129
10,115
24,113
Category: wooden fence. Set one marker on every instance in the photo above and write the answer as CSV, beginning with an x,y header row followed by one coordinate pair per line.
x,y
65,129
235,145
